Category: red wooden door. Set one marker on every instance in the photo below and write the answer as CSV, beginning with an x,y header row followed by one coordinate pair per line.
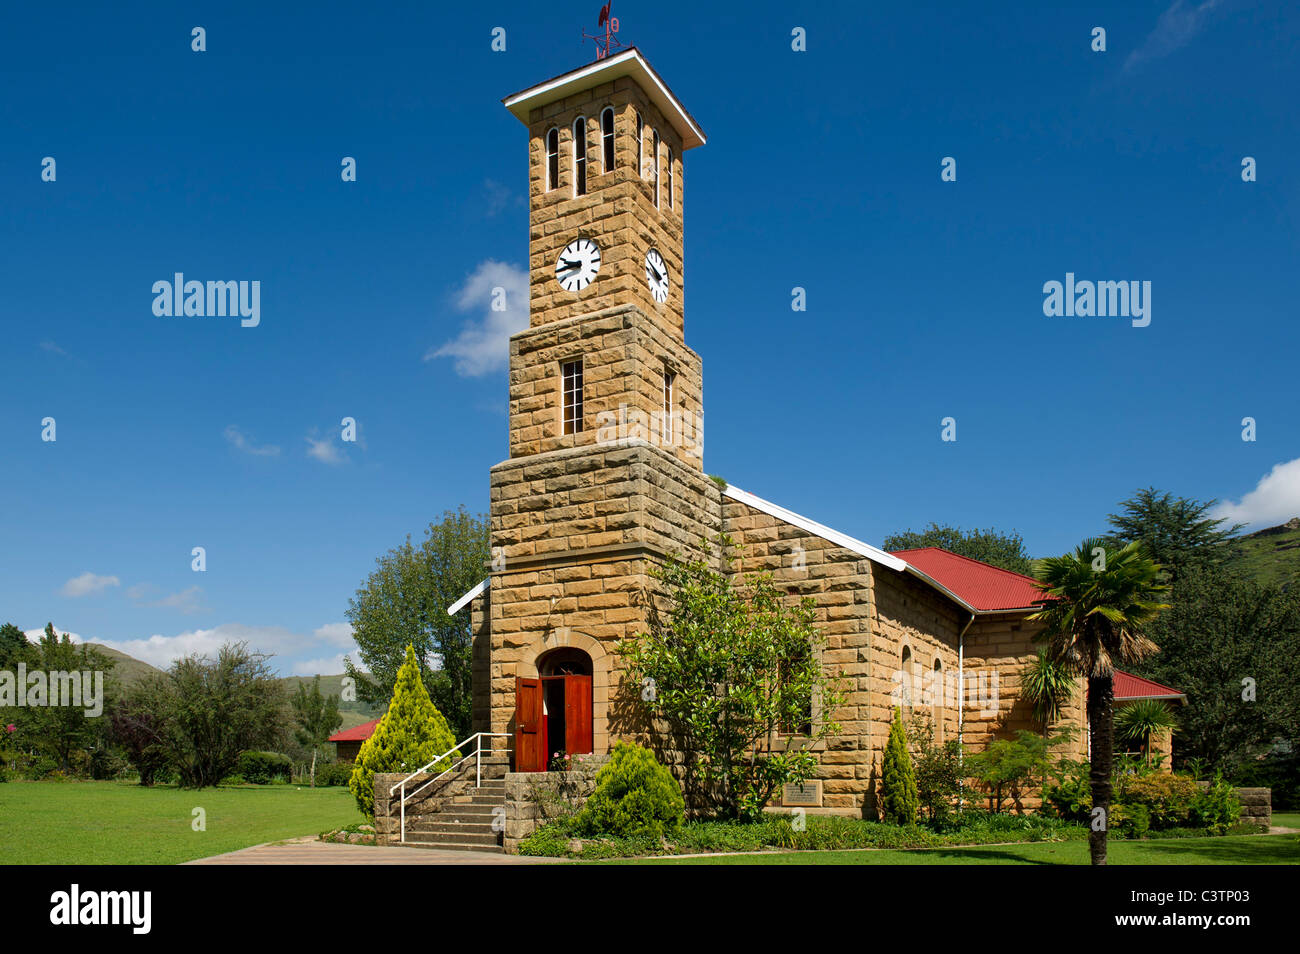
x,y
577,714
530,726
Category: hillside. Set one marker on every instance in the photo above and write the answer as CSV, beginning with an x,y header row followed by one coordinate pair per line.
x,y
333,686
126,668
1272,555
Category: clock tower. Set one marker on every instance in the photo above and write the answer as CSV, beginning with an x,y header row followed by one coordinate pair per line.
x,y
604,478
606,189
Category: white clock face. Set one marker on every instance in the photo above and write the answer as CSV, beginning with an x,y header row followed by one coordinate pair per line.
x,y
656,275
578,265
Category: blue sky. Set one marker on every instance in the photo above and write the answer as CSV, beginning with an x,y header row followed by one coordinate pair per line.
x,y
822,170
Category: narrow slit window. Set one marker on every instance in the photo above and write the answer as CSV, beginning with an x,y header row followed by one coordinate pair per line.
x,y
571,374
670,177
580,156
655,160
607,137
667,429
640,145
552,159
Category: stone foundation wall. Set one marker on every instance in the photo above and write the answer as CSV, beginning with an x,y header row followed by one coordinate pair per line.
x,y
534,798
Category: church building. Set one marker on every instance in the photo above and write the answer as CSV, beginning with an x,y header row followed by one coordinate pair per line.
x,y
605,477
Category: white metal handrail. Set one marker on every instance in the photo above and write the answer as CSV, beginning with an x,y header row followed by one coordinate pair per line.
x,y
477,738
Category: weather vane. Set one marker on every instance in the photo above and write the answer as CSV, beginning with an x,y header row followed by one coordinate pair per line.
x,y
609,40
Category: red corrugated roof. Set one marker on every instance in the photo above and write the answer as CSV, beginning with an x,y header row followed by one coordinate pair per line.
x,y
987,588
356,734
1129,686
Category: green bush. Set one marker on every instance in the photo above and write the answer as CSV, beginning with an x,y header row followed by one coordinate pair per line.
x,y
262,768
1217,808
635,797
1070,796
1166,798
898,798
333,773
1129,820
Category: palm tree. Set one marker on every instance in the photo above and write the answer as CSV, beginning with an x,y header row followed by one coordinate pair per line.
x,y
1048,685
1096,602
1138,721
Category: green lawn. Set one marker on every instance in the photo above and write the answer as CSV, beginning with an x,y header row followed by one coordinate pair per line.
x,y
1237,850
121,823
1286,819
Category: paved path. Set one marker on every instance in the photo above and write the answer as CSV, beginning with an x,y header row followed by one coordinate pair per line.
x,y
308,851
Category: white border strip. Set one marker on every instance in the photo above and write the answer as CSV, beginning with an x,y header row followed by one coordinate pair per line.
x,y
461,603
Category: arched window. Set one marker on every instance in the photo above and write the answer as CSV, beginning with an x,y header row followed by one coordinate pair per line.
x,y
552,159
607,137
580,156
640,145
655,159
937,700
670,177
905,666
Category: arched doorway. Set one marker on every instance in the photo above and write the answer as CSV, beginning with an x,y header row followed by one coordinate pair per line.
x,y
553,710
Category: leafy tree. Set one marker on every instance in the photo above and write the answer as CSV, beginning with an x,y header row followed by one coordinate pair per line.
x,y
898,798
1177,531
1138,721
66,732
1006,766
726,676
1100,600
316,717
14,647
1006,550
137,728
411,734
211,710
938,769
404,604
1049,685
1233,645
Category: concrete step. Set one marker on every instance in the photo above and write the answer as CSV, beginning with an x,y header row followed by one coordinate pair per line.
x,y
454,831
450,844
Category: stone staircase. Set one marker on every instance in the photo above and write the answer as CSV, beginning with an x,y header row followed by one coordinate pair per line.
x,y
453,815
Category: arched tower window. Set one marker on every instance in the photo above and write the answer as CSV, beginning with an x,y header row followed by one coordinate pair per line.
x,y
670,177
580,156
640,145
552,158
607,137
655,159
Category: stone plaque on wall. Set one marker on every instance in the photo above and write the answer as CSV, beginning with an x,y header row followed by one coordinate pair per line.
x,y
807,795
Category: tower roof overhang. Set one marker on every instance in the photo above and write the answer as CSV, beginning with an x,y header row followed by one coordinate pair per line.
x,y
629,63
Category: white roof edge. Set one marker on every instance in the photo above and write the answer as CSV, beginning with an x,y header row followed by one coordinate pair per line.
x,y
692,134
842,539
461,603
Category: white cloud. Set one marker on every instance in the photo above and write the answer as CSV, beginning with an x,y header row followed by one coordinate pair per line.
x,y
1177,27
53,348
1275,499
326,666
186,601
237,439
285,644
324,450
88,584
34,635
336,634
483,345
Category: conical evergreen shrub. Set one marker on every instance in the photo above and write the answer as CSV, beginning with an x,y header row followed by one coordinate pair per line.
x,y
411,734
898,799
